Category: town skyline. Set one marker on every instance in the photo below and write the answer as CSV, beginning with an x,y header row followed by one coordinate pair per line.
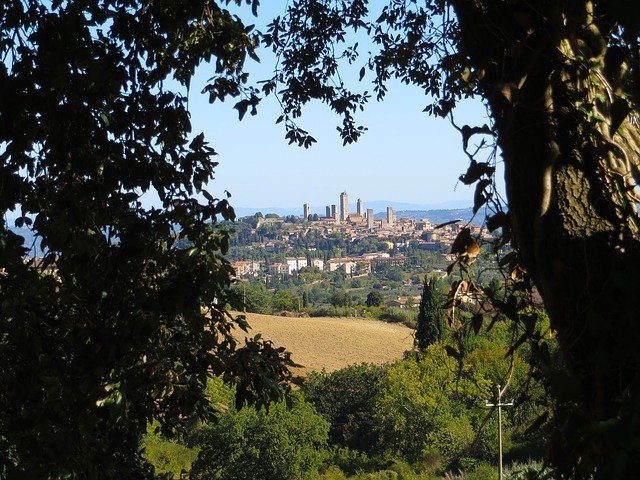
x,y
379,207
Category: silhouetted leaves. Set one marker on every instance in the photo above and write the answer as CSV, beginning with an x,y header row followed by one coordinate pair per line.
x,y
452,352
128,321
498,220
475,171
481,196
537,423
468,132
476,322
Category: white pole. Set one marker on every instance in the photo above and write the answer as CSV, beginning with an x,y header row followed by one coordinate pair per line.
x,y
499,434
499,404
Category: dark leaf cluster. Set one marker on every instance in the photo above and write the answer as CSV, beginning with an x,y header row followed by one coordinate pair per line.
x,y
115,317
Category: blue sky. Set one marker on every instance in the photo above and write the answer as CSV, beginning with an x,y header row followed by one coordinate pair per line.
x,y
405,156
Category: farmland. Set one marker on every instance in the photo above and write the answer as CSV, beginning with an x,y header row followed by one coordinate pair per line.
x,y
332,343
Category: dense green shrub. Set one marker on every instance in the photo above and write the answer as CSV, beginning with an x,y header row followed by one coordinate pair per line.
x,y
418,408
252,296
168,457
350,462
331,311
333,473
345,399
399,315
277,444
340,298
374,299
286,300
483,471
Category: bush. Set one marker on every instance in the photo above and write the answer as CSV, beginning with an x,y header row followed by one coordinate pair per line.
x,y
286,300
399,315
340,298
166,456
331,311
380,475
254,296
352,461
374,299
345,399
483,471
418,410
260,445
333,473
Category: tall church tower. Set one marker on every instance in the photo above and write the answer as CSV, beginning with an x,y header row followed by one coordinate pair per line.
x,y
344,206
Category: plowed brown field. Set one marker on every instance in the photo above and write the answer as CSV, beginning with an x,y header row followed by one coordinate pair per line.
x,y
333,343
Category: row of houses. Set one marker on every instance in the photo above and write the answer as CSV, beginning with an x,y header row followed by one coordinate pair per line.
x,y
350,265
291,265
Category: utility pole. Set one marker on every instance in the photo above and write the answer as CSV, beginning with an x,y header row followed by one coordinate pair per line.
x,y
244,297
499,404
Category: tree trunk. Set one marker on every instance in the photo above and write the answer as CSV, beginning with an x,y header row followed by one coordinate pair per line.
x,y
572,207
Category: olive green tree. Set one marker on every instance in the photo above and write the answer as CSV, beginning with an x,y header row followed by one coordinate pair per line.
x,y
113,317
281,443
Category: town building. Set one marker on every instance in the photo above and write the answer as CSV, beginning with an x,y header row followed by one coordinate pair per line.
x,y
295,263
247,267
344,206
349,265
355,219
277,268
391,216
317,263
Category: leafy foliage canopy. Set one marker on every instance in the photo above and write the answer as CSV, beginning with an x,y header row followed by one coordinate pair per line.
x,y
115,316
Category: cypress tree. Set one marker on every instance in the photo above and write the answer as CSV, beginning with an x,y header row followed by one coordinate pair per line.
x,y
430,315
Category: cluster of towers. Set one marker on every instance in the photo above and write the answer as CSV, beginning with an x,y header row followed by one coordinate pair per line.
x,y
343,214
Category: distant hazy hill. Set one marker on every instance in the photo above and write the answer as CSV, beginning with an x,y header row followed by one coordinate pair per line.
x,y
437,216
379,207
434,216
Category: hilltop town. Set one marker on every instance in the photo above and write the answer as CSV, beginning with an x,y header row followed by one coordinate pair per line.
x,y
273,245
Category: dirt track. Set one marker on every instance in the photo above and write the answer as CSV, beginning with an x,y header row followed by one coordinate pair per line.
x,y
333,343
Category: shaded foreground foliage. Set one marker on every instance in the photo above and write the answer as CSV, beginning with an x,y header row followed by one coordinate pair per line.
x,y
120,319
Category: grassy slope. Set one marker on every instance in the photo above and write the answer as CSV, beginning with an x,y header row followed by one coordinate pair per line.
x,y
333,343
